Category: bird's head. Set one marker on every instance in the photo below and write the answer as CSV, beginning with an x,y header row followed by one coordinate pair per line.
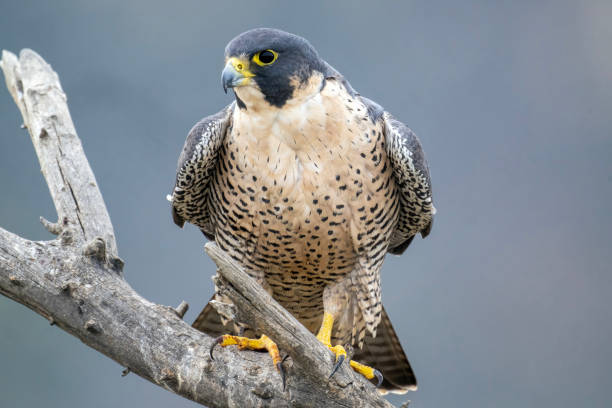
x,y
266,65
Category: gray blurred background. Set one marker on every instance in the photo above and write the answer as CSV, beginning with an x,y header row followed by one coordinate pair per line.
x,y
507,303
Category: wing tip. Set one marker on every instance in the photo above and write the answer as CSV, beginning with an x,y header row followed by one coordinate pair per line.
x,y
399,249
178,220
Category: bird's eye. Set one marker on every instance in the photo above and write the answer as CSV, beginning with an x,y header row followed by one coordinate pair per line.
x,y
265,57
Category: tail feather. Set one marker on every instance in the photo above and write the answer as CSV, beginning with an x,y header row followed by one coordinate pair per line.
x,y
209,322
384,352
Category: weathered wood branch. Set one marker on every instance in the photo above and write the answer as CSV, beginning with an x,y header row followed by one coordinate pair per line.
x,y
76,282
36,89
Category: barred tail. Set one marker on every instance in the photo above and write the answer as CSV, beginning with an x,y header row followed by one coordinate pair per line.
x,y
209,322
385,353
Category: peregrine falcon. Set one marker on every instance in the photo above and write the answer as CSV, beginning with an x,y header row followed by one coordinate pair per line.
x,y
307,184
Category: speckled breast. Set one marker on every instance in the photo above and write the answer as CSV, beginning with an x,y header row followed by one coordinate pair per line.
x,y
296,197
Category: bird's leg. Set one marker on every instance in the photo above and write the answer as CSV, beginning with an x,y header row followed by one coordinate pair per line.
x,y
335,298
262,343
324,336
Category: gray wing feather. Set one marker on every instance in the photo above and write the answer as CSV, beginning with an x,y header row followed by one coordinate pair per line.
x,y
195,168
412,178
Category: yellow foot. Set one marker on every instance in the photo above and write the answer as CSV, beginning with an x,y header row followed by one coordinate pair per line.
x,y
324,336
367,371
262,343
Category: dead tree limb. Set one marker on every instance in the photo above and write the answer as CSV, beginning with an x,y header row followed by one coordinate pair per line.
x,y
76,282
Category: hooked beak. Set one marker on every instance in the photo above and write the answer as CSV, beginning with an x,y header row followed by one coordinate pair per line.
x,y
235,73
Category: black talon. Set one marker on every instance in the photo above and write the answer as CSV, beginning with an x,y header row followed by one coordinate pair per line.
x,y
337,366
218,340
281,371
379,377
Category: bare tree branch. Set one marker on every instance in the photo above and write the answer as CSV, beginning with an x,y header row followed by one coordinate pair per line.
x,y
75,281
37,92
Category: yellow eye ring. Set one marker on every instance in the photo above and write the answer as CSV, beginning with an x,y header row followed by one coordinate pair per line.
x,y
265,57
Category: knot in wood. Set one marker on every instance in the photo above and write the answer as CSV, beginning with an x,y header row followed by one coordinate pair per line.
x,y
66,237
15,280
169,378
93,327
96,249
116,263
263,391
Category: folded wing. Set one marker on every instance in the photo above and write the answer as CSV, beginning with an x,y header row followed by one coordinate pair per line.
x,y
195,169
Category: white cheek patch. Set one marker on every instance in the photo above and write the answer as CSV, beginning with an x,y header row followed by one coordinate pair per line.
x,y
252,97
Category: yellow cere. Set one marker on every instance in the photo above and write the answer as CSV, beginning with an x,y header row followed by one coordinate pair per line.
x,y
242,66
258,61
